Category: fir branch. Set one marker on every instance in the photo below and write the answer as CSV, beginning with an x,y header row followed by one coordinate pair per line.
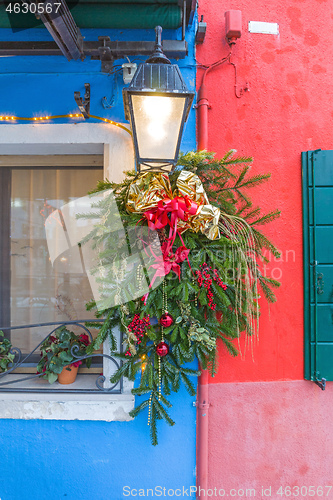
x,y
138,409
265,219
268,293
193,336
254,181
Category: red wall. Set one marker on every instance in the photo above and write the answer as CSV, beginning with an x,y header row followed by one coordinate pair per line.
x,y
288,109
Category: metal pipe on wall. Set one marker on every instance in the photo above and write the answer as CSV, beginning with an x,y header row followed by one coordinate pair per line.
x,y
203,386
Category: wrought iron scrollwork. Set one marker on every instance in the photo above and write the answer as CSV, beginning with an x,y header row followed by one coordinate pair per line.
x,y
21,359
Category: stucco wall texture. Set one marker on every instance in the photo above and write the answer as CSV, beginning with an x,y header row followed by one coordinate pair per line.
x,y
88,460
287,110
268,435
268,427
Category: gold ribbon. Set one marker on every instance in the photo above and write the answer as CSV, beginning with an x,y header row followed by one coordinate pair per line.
x,y
151,187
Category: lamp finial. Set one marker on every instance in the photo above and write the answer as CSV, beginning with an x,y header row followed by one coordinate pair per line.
x,y
158,57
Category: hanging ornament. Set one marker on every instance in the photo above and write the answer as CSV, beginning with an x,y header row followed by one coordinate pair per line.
x,y
162,349
166,320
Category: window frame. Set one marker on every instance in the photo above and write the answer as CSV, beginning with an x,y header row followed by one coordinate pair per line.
x,y
115,145
5,193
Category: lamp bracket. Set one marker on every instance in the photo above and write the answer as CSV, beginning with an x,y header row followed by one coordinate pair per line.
x,y
105,54
173,49
84,105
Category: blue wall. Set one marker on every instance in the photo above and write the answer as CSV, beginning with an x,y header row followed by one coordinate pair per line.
x,y
76,459
44,86
52,460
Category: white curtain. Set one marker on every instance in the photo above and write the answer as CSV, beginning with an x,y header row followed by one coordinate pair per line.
x,y
42,292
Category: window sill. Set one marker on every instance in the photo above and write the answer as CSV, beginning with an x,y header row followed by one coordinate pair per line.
x,y
68,406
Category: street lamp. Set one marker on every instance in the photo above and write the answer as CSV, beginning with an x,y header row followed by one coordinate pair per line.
x,y
157,103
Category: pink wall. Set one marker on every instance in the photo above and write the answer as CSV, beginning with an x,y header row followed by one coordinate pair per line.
x,y
270,434
288,109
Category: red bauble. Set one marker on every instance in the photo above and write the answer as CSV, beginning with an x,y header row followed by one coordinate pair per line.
x,y
162,349
166,320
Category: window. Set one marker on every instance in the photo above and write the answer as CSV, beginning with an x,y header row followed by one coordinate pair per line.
x,y
32,188
36,288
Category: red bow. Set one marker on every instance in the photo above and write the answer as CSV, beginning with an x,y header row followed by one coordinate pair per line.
x,y
178,208
168,212
169,261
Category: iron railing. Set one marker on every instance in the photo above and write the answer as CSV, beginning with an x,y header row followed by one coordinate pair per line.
x,y
8,379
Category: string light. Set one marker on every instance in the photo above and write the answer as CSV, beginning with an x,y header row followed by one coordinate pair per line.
x,y
55,117
149,408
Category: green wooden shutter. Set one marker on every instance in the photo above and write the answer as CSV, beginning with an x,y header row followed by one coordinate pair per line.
x,y
317,167
105,14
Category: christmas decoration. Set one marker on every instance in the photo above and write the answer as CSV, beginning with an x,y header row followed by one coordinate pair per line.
x,y
209,258
162,349
4,119
166,320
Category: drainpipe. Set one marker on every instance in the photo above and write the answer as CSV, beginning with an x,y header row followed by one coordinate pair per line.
x,y
203,387
202,432
203,104
202,107
234,21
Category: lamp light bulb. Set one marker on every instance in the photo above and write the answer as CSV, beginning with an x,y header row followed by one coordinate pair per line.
x,y
156,130
157,108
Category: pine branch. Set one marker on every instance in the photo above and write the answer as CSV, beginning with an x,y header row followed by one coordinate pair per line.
x,y
255,180
263,242
265,219
269,294
196,329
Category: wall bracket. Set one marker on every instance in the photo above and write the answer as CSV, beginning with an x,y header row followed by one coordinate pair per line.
x,y
84,105
321,383
105,54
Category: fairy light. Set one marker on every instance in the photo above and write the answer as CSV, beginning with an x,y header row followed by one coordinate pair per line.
x,y
149,409
70,115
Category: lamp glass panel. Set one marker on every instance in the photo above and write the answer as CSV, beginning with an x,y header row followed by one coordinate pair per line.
x,y
158,121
